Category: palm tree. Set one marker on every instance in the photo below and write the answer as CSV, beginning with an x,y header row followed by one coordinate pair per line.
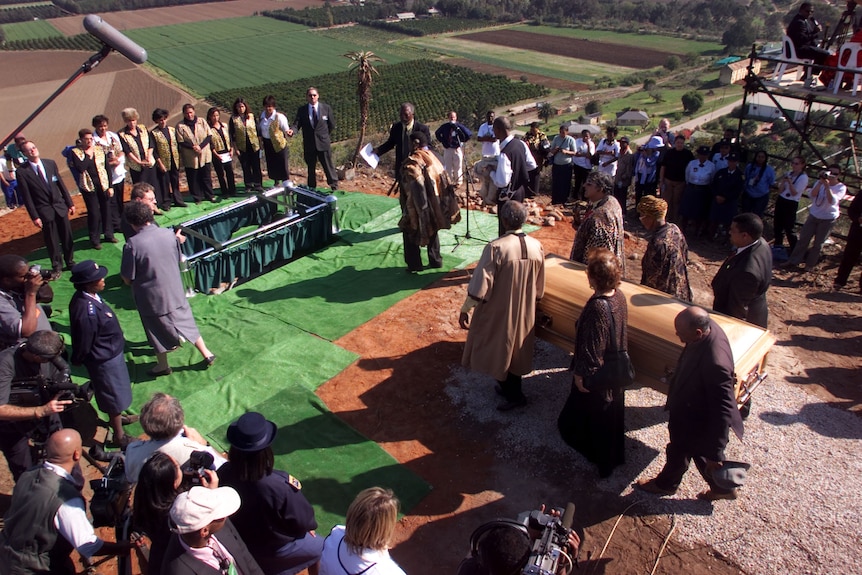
x,y
363,63
546,111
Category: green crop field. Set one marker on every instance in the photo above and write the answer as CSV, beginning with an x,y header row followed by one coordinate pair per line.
x,y
226,54
30,30
652,41
559,67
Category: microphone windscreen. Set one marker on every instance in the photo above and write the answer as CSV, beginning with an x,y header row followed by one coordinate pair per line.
x,y
114,39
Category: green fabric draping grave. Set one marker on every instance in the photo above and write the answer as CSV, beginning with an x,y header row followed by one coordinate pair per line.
x,y
273,340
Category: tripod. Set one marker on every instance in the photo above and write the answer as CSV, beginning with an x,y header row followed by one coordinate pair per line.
x,y
468,178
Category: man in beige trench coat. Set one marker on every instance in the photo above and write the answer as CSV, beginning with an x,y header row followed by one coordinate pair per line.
x,y
506,284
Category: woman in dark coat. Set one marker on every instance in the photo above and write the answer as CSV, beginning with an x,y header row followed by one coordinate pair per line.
x,y
592,420
98,342
276,521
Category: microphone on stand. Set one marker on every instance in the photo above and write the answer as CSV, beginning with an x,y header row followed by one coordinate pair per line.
x,y
114,39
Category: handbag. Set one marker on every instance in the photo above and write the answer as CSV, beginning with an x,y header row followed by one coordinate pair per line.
x,y
617,371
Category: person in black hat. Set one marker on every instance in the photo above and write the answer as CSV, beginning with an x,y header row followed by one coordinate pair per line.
x,y
98,344
275,520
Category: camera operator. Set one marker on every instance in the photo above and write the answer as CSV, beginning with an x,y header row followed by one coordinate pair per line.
x,y
163,419
20,312
47,518
502,547
32,358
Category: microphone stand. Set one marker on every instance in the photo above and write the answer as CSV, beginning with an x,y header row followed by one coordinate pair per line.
x,y
468,178
91,63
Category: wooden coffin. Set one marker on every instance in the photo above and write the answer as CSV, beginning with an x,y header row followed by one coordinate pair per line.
x,y
653,344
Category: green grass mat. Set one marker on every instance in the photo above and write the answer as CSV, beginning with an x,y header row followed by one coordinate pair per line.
x,y
273,338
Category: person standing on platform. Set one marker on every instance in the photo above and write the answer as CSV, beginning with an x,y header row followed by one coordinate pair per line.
x,y
222,153
112,146
49,205
275,130
88,160
243,132
453,135
505,286
138,150
317,123
193,137
167,153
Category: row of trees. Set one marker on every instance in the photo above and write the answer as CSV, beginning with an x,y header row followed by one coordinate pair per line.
x,y
96,6
27,13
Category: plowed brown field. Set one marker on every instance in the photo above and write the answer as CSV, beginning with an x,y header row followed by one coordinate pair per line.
x,y
132,19
547,81
615,54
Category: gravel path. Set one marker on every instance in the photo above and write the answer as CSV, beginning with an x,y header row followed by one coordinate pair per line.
x,y
799,511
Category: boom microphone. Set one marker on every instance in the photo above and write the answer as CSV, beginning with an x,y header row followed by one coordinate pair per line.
x,y
114,39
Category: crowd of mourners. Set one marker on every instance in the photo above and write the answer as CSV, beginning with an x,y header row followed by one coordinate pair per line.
x,y
202,510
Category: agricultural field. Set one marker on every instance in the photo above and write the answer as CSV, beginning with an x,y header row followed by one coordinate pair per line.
x,y
224,54
604,52
677,46
433,87
522,60
30,30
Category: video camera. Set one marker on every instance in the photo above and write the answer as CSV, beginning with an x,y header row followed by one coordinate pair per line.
x,y
39,389
111,495
548,533
193,469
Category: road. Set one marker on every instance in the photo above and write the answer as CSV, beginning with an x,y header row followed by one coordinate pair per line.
x,y
695,122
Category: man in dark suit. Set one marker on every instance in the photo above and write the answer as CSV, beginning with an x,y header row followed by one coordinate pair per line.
x,y
317,124
701,405
199,514
742,280
399,136
49,205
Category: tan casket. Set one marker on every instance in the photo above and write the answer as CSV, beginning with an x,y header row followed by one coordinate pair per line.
x,y
653,344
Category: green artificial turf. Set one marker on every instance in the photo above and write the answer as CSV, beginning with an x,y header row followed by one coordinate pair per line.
x,y
273,340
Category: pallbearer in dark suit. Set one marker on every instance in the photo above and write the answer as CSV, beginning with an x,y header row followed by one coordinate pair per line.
x,y
49,205
317,124
742,280
701,405
98,343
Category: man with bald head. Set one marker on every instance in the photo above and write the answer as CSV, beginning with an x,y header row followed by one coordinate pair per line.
x,y
701,405
47,518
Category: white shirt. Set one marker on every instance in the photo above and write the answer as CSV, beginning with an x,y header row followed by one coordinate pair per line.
x,y
582,147
71,519
337,558
821,208
488,148
799,183
211,554
608,151
265,121
503,174
179,448
118,172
